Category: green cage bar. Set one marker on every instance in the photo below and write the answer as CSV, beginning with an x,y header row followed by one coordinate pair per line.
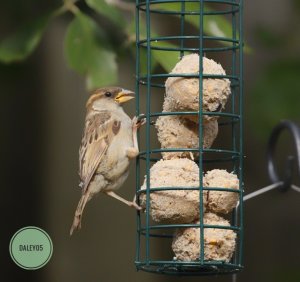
x,y
150,82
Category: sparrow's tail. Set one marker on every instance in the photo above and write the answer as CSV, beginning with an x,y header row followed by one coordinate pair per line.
x,y
78,213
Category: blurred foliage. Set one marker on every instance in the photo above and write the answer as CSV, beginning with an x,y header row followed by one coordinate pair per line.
x,y
20,45
268,38
275,94
297,4
89,46
88,52
109,11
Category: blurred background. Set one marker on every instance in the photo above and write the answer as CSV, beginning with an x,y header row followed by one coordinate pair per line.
x,y
42,115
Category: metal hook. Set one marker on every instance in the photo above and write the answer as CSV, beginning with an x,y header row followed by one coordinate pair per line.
x,y
286,183
295,132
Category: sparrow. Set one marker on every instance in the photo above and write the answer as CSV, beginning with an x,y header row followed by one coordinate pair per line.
x,y
108,143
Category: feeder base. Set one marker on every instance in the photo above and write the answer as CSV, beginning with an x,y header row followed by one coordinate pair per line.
x,y
189,268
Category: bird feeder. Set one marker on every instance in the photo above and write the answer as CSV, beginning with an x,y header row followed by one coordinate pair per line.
x,y
203,238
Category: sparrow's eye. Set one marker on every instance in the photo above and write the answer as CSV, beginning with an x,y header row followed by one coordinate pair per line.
x,y
108,94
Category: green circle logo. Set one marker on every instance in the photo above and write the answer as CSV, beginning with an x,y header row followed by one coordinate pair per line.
x,y
31,248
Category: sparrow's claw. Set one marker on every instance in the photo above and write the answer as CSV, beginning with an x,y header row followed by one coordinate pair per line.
x,y
138,123
142,122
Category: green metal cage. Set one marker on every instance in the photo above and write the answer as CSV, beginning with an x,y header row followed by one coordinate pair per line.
x,y
150,82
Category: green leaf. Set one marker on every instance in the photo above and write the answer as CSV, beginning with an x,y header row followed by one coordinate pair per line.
x,y
103,71
109,11
213,25
86,52
275,96
167,59
269,38
297,5
20,45
130,30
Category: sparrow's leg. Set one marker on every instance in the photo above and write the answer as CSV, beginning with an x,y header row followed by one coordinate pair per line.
x,y
134,151
132,204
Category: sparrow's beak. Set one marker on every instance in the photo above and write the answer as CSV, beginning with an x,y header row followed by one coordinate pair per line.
x,y
124,96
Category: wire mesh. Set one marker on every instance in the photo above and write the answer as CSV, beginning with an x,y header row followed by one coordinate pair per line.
x,y
150,84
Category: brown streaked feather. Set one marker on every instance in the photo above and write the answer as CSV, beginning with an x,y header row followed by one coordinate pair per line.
x,y
98,133
116,127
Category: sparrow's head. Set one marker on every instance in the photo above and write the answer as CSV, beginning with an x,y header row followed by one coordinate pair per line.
x,y
107,95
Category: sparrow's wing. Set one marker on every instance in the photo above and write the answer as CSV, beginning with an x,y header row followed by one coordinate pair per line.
x,y
99,131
